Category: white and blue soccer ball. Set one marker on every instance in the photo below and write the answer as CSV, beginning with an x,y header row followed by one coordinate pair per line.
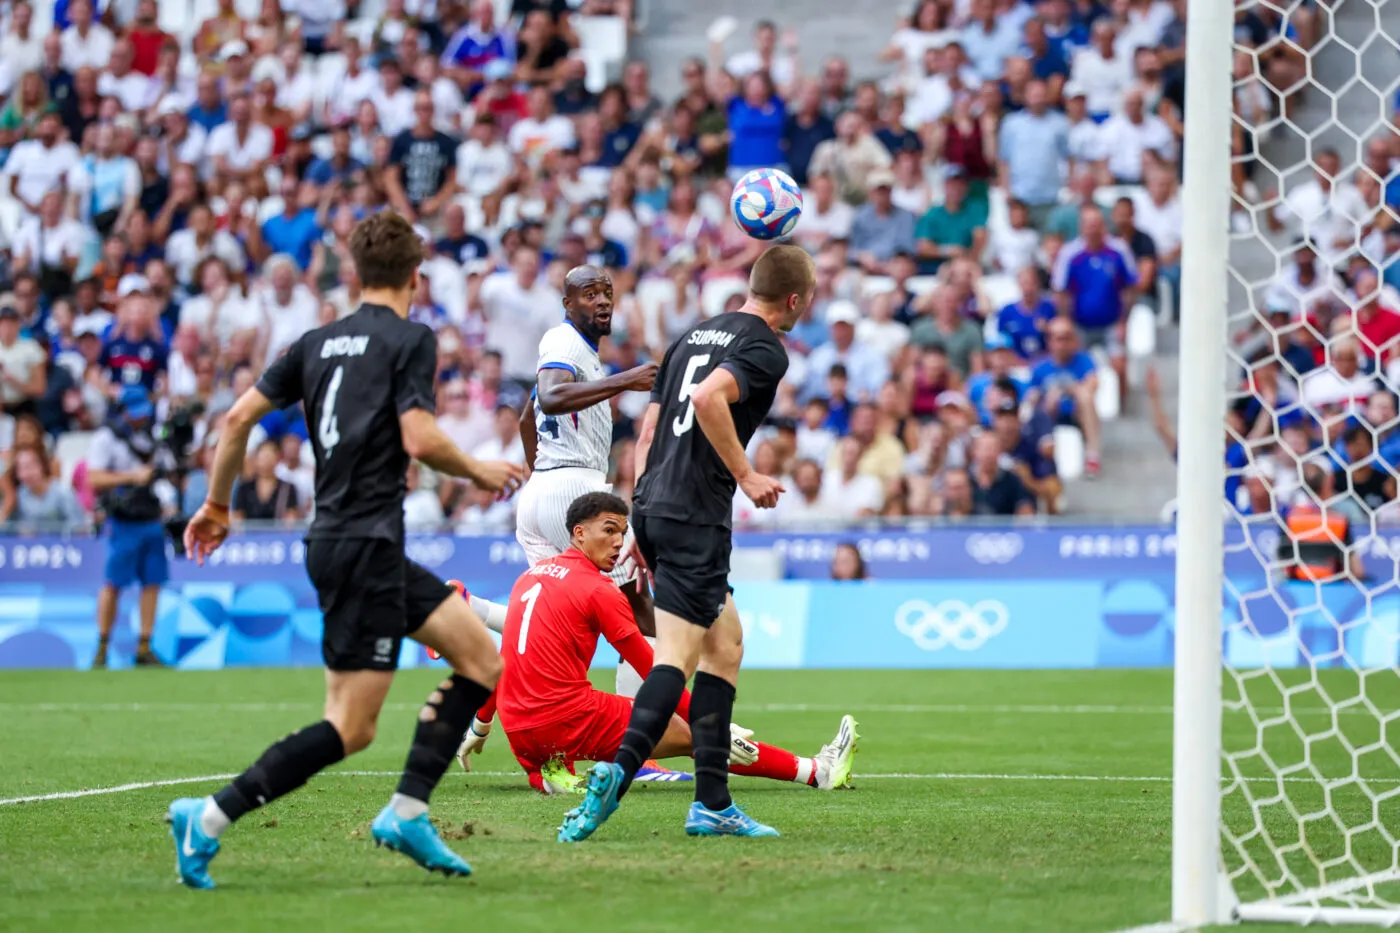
x,y
766,204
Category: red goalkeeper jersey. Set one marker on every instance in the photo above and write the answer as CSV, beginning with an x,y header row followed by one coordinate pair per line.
x,y
557,610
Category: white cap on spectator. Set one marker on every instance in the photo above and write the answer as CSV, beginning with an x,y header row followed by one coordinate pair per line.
x,y
132,284
842,312
267,67
232,50
169,104
1073,89
423,233
89,325
953,398
879,178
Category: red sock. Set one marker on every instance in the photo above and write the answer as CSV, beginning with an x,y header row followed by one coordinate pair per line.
x,y
779,764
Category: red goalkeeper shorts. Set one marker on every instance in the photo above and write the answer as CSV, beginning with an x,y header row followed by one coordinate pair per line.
x,y
593,734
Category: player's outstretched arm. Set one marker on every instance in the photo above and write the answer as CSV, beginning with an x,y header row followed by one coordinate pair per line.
x,y
209,526
644,439
712,399
560,392
423,440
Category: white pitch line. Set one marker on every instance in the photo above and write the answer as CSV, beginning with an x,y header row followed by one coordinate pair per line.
x,y
894,775
923,708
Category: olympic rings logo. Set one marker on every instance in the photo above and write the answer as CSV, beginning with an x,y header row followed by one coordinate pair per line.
x,y
952,623
991,548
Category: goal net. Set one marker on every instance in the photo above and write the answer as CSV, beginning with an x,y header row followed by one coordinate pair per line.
x,y
1306,821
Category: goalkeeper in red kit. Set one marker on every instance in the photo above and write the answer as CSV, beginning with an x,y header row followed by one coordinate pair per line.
x,y
550,711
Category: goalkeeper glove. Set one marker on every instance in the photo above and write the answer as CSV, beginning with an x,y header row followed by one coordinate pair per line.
x,y
473,742
741,750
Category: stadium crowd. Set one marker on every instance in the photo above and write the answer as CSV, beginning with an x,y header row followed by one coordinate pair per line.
x,y
985,205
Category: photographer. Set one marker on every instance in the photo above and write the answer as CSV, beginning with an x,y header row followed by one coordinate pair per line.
x,y
127,468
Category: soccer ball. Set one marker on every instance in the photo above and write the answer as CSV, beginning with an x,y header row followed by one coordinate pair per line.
x,y
766,204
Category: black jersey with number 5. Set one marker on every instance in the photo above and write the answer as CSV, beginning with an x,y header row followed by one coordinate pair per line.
x,y
685,478
356,376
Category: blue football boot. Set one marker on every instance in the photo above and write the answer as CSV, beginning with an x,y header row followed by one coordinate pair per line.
x,y
193,849
731,821
418,839
604,780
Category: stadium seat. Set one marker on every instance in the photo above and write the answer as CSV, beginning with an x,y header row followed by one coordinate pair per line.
x,y
71,450
1109,195
1140,341
717,292
604,34
998,211
174,16
1107,399
1069,452
1001,290
874,285
11,216
921,284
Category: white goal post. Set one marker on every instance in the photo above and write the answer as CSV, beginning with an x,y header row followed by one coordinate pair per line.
x,y
1286,729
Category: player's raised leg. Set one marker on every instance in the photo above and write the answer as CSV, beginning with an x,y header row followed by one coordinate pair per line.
x,y
459,635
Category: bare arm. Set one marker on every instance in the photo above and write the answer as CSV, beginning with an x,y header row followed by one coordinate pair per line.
x,y
529,434
644,438
712,399
393,183
561,394
1165,430
423,440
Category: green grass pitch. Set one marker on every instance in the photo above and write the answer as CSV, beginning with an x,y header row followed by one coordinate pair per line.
x,y
962,817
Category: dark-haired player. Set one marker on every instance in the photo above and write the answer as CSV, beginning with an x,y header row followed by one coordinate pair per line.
x,y
551,713
367,385
715,387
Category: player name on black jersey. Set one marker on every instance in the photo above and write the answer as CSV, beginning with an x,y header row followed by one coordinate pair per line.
x,y
354,378
685,478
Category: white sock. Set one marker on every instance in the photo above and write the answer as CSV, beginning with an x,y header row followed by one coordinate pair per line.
x,y
628,680
493,614
407,808
806,767
213,821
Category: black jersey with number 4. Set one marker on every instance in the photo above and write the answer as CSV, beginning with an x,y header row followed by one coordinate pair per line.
x,y
685,478
356,376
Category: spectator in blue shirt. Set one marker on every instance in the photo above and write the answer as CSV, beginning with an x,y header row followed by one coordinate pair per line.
x,y
1031,145
1094,278
476,44
1065,383
1001,358
880,230
990,39
341,166
209,109
1023,321
1048,62
134,353
757,120
296,230
806,129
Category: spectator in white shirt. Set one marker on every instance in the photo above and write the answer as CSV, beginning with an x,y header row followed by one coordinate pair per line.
x,y
121,81
1304,284
219,311
469,426
240,148
1101,71
824,216
422,508
40,165
48,240
805,505
187,248
765,57
483,161
393,102
945,76
1341,386
1014,247
848,492
1134,141
288,307
519,306
879,329
1324,208
1084,139
86,44
351,87
1159,215
22,46
505,442
543,131
866,368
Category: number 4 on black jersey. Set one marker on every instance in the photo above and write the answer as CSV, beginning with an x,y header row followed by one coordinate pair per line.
x,y
685,478
356,377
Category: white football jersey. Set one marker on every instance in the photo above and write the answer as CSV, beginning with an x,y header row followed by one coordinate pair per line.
x,y
581,439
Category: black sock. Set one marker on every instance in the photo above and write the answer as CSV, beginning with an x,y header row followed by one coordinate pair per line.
x,y
651,712
441,724
711,705
283,768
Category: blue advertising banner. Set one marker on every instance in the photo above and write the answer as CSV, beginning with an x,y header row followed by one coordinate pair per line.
x,y
977,596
